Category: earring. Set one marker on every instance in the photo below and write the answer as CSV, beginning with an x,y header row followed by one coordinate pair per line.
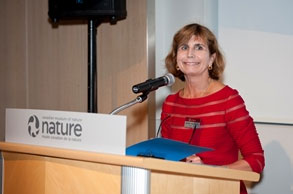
x,y
210,67
177,68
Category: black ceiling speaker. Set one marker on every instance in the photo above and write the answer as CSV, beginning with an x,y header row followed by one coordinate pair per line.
x,y
87,9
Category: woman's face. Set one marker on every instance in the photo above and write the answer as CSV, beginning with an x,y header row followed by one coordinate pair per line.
x,y
193,57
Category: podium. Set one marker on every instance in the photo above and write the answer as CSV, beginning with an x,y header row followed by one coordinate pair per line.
x,y
57,152
31,169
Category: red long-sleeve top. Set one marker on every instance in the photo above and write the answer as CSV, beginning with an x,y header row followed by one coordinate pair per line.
x,y
219,121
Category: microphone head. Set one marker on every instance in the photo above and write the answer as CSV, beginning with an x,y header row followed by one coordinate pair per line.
x,y
171,79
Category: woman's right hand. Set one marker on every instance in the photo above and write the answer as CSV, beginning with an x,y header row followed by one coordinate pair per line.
x,y
194,159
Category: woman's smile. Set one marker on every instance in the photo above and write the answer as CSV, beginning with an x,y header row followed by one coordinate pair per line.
x,y
190,63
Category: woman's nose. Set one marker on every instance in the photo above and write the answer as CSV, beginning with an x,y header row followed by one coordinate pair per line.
x,y
190,53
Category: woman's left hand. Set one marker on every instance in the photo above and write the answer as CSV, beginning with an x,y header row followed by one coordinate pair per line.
x,y
194,159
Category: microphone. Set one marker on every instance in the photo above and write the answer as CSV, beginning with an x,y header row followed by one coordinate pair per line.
x,y
153,84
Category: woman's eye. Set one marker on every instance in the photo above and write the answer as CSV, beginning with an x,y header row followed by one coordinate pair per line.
x,y
199,47
183,47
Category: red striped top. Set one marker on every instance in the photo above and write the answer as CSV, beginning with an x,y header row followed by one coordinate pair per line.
x,y
224,125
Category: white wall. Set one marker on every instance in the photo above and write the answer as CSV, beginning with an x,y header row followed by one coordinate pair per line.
x,y
250,33
257,37
277,177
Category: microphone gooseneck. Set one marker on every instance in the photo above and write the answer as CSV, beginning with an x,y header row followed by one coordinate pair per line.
x,y
196,126
146,87
160,127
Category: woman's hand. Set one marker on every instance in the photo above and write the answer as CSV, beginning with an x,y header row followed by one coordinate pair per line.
x,y
194,159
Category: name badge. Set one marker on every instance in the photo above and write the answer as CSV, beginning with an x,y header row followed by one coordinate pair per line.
x,y
192,123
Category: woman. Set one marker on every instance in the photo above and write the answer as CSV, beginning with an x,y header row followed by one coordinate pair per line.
x,y
206,112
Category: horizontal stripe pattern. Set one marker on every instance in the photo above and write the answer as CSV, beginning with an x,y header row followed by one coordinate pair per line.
x,y
224,125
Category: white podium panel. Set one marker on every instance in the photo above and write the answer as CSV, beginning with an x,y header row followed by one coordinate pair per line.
x,y
72,130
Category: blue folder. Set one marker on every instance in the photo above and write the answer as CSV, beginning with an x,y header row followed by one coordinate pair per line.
x,y
164,149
